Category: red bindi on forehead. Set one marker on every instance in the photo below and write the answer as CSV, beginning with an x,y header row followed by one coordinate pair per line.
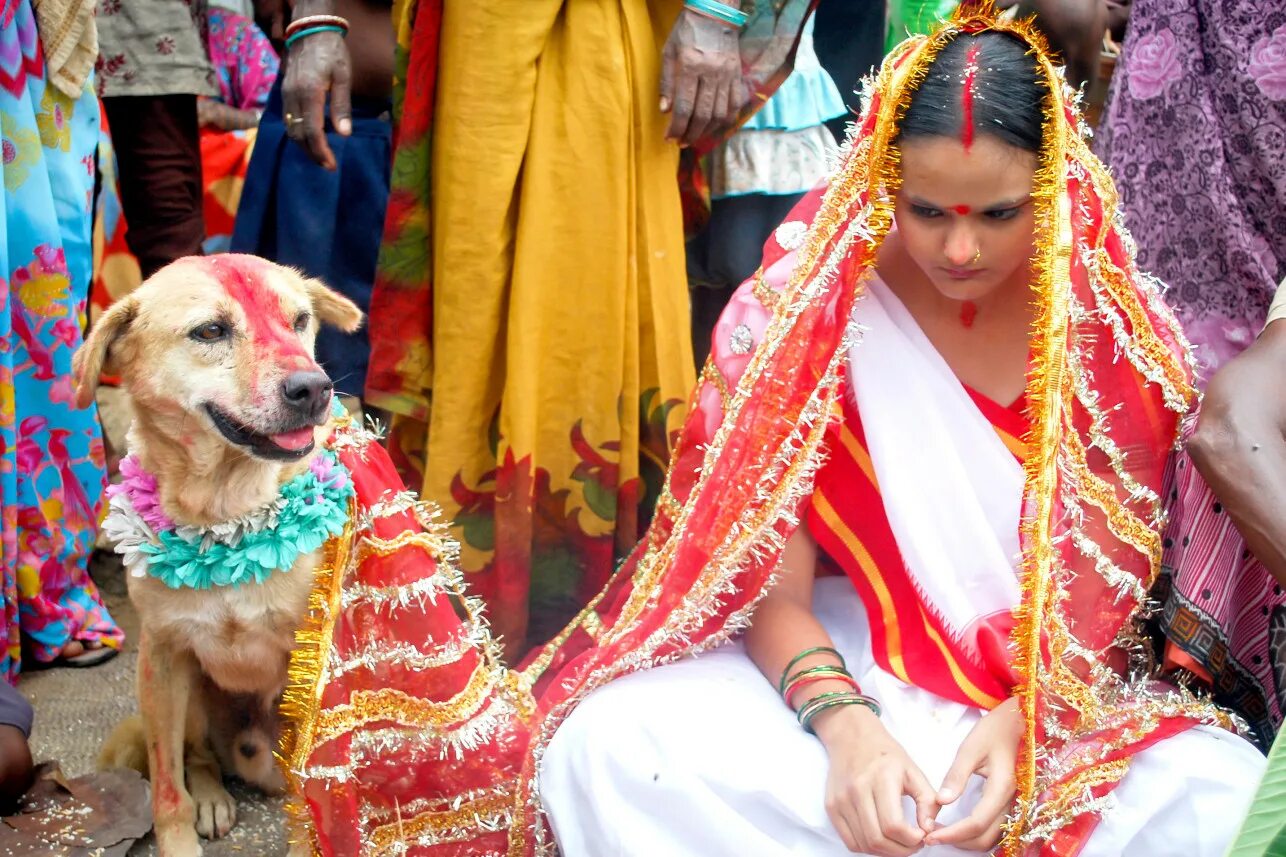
x,y
961,209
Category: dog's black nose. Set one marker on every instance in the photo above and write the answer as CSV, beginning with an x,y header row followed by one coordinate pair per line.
x,y
308,392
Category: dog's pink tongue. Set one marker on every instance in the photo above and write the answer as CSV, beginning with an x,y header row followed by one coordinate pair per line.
x,y
293,439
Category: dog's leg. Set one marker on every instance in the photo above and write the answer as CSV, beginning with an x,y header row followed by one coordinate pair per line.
x,y
216,810
165,681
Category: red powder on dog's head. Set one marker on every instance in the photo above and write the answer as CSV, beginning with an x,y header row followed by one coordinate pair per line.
x,y
244,278
968,87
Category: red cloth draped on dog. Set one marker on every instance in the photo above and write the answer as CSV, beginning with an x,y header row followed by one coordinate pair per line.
x,y
407,731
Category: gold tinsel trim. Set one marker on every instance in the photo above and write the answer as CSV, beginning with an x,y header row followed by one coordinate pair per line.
x,y
766,294
712,376
439,827
305,676
395,706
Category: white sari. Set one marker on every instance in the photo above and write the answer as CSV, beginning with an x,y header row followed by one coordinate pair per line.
x,y
718,765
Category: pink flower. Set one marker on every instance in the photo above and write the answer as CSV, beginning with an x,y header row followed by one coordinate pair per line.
x,y
62,392
29,455
1268,64
67,332
52,259
1153,64
141,489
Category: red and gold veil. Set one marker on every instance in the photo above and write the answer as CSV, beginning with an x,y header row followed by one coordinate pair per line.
x,y
406,733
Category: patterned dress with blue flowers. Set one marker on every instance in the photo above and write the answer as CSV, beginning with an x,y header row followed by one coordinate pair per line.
x,y
51,452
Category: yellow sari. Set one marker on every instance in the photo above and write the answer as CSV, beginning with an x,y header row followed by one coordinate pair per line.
x,y
557,358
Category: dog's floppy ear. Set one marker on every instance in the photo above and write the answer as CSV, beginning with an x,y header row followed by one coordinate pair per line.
x,y
333,308
88,362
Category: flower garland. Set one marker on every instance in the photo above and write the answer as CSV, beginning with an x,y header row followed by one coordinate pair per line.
x,y
310,509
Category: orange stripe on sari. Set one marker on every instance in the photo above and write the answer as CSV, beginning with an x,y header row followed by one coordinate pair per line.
x,y
848,521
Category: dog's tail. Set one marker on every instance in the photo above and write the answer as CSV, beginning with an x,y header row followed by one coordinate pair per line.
x,y
126,747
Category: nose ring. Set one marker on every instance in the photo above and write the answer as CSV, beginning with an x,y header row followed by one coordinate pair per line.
x,y
976,257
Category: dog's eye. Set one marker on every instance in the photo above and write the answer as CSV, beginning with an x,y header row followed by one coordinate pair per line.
x,y
301,322
212,332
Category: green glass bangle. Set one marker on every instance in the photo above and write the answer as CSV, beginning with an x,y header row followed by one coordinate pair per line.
x,y
853,696
718,11
816,650
820,670
821,699
824,701
312,31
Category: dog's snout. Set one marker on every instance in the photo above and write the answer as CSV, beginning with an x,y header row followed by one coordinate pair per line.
x,y
308,392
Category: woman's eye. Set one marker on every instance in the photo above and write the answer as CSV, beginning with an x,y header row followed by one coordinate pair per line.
x,y
301,322
925,211
1002,214
212,332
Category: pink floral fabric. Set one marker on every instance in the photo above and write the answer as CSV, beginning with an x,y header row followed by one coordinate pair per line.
x,y
1195,134
1153,65
1267,64
243,59
51,451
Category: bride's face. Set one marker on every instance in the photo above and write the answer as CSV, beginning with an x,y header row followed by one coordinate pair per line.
x,y
966,216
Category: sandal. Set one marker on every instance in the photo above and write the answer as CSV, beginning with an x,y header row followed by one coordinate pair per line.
x,y
90,656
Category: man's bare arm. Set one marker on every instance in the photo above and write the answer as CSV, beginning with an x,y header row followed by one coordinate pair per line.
x,y
1240,445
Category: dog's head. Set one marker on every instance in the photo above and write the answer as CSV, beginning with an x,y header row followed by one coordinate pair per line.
x,y
228,340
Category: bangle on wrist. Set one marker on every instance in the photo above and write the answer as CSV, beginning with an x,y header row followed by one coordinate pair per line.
x,y
834,699
814,675
312,31
717,11
306,21
786,674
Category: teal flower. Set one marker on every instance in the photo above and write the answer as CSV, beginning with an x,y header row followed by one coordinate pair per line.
x,y
315,510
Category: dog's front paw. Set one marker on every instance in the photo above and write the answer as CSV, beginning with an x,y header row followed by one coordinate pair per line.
x,y
216,810
177,840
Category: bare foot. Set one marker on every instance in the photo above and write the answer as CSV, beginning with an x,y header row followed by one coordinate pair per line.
x,y
83,653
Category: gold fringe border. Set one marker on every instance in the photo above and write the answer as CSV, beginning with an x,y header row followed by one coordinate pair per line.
x,y
305,677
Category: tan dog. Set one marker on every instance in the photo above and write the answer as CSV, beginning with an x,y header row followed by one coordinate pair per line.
x,y
216,354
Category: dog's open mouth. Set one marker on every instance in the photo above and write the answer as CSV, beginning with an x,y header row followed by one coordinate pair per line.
x,y
286,445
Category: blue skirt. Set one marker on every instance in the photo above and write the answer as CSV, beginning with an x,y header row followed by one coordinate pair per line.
x,y
327,224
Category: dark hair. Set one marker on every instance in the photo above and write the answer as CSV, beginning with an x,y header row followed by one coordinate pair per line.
x,y
1009,93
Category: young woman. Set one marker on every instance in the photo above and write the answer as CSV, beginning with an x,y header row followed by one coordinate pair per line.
x,y
923,468
919,505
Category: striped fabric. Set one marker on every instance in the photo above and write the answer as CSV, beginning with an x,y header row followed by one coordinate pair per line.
x,y
848,520
1224,616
